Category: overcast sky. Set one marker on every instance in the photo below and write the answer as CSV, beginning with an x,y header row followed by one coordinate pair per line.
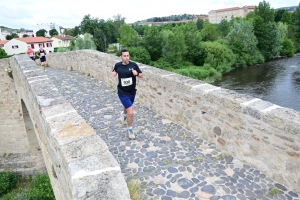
x,y
69,13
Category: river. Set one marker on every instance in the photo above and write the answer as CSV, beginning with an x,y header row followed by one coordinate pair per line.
x,y
277,81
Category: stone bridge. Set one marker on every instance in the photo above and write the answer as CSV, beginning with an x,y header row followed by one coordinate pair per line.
x,y
194,140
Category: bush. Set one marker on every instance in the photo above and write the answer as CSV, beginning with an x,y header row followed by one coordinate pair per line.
x,y
63,49
55,49
8,181
201,73
139,54
219,56
287,48
40,188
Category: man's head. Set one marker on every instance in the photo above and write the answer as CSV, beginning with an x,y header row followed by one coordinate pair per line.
x,y
29,47
124,55
41,46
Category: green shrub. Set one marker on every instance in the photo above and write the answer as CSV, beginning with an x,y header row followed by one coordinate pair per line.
x,y
139,54
287,48
63,49
201,73
40,188
8,181
217,54
55,49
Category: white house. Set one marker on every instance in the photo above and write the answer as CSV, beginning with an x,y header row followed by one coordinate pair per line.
x,y
20,45
47,27
62,40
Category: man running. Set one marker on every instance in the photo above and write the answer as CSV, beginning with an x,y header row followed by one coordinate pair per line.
x,y
127,72
42,55
30,53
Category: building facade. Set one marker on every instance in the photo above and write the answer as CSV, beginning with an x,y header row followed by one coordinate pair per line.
x,y
20,45
62,40
216,16
47,27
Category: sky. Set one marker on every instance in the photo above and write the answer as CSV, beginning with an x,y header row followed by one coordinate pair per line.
x,y
69,13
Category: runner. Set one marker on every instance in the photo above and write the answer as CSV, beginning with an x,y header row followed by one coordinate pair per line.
x,y
42,55
30,53
127,72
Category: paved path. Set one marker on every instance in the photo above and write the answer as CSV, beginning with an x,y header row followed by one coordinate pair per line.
x,y
168,160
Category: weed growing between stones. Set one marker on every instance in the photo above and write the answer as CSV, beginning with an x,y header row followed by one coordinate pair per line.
x,y
274,191
9,72
135,189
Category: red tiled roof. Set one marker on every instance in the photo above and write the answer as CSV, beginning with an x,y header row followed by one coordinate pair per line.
x,y
227,9
29,40
251,7
66,37
2,42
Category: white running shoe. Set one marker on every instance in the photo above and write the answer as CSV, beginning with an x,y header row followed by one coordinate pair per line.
x,y
131,134
123,118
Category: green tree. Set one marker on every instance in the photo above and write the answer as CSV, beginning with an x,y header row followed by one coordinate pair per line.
x,y
25,35
287,18
268,37
278,14
139,54
8,37
200,24
14,35
3,54
53,32
287,48
218,56
85,43
192,39
173,46
128,36
89,25
41,32
224,27
210,32
296,21
152,41
265,12
243,43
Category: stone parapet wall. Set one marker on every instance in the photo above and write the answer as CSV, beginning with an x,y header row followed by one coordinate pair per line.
x,y
257,132
12,128
78,161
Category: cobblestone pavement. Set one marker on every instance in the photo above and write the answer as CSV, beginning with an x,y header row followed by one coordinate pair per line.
x,y
168,160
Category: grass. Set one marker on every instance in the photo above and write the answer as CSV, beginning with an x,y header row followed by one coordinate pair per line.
x,y
135,189
274,191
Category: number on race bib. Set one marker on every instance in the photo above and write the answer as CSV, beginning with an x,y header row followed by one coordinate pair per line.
x,y
42,54
126,81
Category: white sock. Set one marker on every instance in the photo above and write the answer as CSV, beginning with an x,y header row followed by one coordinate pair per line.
x,y
130,127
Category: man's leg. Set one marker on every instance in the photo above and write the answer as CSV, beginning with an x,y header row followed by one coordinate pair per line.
x,y
129,112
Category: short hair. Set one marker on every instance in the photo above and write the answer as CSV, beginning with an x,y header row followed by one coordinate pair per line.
x,y
123,50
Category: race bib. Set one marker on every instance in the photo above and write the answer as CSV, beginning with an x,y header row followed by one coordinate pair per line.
x,y
31,54
126,81
42,54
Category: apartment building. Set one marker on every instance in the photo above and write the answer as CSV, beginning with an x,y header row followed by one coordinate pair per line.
x,y
216,16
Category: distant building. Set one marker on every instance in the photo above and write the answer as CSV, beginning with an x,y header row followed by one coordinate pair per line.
x,y
204,17
3,34
163,23
47,27
62,40
216,16
20,45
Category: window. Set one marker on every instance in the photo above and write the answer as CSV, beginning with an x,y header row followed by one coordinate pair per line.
x,y
49,44
42,44
32,46
15,47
